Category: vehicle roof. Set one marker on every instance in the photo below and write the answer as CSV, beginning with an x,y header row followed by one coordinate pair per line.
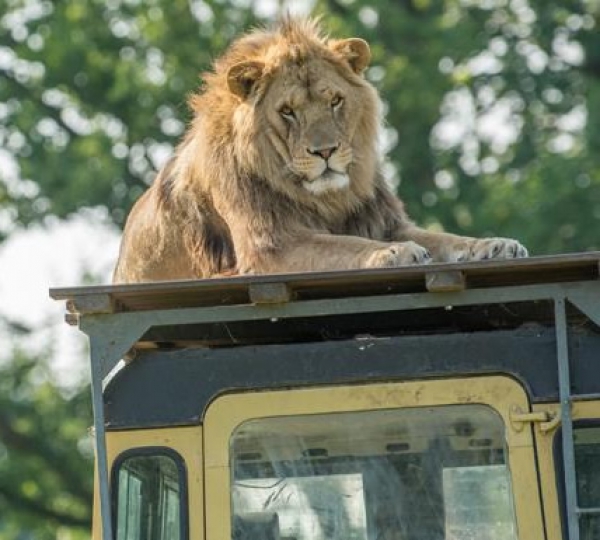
x,y
325,328
282,288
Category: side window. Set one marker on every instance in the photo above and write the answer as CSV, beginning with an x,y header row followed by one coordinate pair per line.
x,y
428,473
149,497
587,470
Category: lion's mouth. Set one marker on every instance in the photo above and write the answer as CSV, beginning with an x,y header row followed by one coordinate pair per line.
x,y
329,180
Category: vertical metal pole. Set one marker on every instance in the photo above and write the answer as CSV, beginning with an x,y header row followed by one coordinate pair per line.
x,y
564,384
100,439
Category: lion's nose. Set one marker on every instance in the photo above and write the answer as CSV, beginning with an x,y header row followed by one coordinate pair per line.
x,y
323,151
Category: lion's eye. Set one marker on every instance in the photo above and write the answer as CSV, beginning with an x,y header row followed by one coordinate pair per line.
x,y
337,101
287,112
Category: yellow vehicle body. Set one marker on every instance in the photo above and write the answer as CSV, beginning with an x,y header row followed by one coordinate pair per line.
x,y
442,402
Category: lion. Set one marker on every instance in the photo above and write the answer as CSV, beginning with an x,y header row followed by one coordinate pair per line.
x,y
279,171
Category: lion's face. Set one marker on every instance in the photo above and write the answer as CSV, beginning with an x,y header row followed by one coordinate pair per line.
x,y
308,109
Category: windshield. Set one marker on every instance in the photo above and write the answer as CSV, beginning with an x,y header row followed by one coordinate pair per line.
x,y
424,473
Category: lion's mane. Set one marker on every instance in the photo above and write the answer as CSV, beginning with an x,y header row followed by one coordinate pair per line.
x,y
228,201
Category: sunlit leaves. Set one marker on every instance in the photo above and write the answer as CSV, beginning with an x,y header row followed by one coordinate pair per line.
x,y
494,104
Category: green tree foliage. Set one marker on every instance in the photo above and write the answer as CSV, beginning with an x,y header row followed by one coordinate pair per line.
x,y
94,94
488,104
491,126
45,454
493,105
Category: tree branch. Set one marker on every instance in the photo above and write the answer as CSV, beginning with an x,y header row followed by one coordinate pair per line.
x,y
36,446
36,507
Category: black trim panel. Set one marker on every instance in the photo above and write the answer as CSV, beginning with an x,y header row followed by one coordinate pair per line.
x,y
161,388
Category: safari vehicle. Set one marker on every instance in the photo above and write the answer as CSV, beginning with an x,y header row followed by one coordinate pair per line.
x,y
446,402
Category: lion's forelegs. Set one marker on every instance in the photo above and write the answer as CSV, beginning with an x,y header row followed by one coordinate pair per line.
x,y
323,252
445,247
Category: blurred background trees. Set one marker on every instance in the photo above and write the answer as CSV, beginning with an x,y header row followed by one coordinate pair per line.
x,y
492,110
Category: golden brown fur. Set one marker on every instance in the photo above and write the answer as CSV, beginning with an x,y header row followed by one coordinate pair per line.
x,y
279,172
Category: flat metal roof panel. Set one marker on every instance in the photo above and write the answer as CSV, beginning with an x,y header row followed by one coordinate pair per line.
x,y
322,285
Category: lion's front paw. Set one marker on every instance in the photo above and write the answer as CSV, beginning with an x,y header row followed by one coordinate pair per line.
x,y
496,248
398,254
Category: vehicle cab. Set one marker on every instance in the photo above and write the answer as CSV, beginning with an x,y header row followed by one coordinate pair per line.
x,y
446,402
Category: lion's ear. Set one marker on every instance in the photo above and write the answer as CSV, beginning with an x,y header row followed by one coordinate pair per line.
x,y
242,77
355,51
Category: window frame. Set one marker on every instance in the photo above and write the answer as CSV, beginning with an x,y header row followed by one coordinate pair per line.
x,y
151,451
500,393
557,451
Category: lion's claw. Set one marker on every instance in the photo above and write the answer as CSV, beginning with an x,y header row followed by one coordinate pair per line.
x,y
496,248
